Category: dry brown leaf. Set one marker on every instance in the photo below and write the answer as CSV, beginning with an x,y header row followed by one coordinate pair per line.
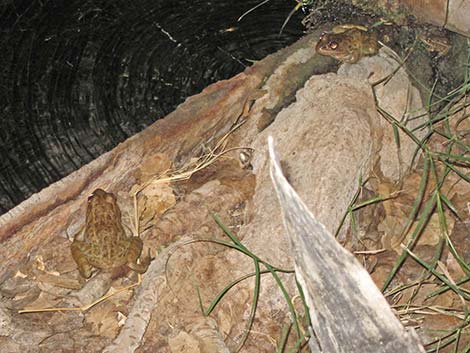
x,y
158,164
225,318
44,300
103,320
455,270
59,281
184,343
432,233
155,199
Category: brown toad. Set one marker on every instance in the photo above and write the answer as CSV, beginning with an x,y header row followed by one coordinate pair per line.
x,y
348,43
436,41
103,242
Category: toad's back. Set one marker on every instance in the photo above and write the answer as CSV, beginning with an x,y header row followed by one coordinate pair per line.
x,y
104,243
347,44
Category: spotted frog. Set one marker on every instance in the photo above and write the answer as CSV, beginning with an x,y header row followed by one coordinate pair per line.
x,y
103,243
348,43
435,41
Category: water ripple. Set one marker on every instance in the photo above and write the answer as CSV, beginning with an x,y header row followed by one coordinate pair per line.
x,y
78,77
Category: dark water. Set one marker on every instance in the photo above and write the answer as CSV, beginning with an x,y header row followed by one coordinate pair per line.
x,y
78,77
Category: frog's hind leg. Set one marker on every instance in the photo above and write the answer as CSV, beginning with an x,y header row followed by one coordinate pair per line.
x,y
133,254
84,267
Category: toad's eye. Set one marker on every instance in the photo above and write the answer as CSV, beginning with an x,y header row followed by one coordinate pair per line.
x,y
333,45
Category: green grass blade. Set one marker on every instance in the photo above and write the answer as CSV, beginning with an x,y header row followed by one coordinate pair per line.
x,y
445,289
438,275
419,228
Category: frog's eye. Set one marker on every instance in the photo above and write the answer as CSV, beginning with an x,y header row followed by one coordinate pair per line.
x,y
333,45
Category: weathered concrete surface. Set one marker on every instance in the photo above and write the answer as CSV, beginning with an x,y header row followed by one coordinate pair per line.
x,y
327,132
330,136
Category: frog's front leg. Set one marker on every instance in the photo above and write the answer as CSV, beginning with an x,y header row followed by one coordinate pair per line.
x,y
133,254
84,267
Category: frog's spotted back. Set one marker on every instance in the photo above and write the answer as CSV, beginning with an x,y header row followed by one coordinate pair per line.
x,y
105,244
